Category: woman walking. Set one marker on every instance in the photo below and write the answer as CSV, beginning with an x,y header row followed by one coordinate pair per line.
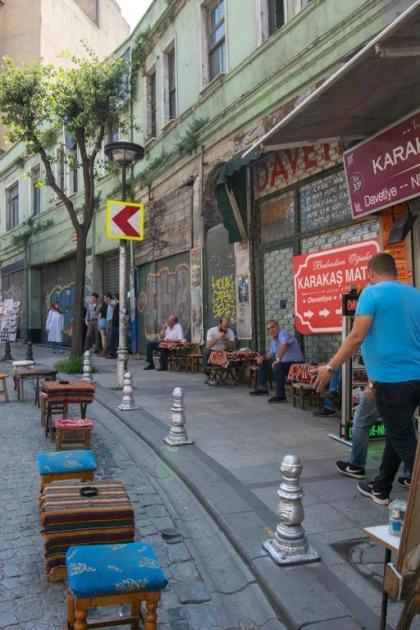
x,y
54,327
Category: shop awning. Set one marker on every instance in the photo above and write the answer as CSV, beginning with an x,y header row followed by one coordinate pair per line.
x,y
230,193
375,88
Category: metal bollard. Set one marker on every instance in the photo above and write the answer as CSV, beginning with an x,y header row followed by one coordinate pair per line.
x,y
29,351
289,545
178,435
87,368
127,403
7,352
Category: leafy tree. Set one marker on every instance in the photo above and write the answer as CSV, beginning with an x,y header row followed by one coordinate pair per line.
x,y
37,102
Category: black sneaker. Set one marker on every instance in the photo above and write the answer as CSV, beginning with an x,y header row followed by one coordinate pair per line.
x,y
351,471
367,488
324,412
259,392
404,482
149,366
277,399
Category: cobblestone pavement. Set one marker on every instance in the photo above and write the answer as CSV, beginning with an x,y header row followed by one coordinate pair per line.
x,y
209,586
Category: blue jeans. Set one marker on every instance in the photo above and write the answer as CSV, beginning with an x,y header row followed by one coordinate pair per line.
x,y
113,342
279,373
397,403
56,346
334,386
365,416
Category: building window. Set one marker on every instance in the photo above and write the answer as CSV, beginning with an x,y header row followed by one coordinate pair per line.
x,y
301,4
216,34
171,84
276,17
151,104
12,206
36,190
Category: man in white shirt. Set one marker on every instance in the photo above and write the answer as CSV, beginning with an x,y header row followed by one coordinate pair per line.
x,y
219,338
170,331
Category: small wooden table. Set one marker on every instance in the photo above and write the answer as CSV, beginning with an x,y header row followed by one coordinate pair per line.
x,y
227,366
35,374
381,535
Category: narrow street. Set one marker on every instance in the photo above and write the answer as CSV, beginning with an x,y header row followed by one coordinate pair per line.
x,y
220,496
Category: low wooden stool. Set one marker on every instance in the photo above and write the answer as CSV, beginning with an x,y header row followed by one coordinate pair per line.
x,y
194,361
303,393
3,380
61,465
73,433
109,575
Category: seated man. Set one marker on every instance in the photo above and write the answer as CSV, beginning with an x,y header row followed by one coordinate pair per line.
x,y
170,331
219,338
282,352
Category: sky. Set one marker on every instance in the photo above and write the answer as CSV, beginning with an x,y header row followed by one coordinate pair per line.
x,y
132,10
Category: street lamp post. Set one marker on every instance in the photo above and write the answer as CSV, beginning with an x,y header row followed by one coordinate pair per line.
x,y
123,154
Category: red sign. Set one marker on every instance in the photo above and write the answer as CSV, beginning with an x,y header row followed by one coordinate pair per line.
x,y
124,220
385,169
320,279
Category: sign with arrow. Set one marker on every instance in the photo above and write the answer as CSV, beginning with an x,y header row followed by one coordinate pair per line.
x,y
320,279
124,220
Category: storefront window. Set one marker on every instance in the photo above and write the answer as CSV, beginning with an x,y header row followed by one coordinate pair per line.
x,y
278,218
324,202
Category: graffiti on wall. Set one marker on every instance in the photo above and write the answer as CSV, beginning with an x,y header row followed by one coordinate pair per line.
x,y
166,292
224,299
64,295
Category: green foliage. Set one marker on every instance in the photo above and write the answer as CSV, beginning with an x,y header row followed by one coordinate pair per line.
x,y
32,227
189,143
72,365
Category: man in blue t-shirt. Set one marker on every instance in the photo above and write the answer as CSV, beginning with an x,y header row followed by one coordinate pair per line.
x,y
282,352
387,325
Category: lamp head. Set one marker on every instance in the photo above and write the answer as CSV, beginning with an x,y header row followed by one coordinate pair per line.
x,y
124,153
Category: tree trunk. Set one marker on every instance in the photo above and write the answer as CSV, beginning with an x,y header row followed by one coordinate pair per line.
x,y
77,337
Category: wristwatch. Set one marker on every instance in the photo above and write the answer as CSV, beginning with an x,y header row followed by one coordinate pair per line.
x,y
330,368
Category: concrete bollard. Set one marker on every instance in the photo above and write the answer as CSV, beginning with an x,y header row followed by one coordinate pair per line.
x,y
7,352
29,351
178,435
127,403
289,545
87,368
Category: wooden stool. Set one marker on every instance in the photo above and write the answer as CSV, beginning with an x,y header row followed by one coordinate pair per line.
x,y
253,377
66,465
194,361
109,575
303,393
73,433
3,380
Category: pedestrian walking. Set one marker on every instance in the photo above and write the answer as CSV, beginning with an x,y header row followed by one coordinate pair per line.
x,y
54,327
102,322
91,321
387,325
115,329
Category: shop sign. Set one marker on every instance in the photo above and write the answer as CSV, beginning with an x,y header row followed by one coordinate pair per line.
x,y
320,279
124,220
385,169
286,167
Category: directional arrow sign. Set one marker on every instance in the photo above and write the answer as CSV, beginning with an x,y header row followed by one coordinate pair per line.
x,y
308,314
124,220
325,312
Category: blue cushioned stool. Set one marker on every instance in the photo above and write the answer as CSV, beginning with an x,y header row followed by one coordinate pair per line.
x,y
60,465
107,575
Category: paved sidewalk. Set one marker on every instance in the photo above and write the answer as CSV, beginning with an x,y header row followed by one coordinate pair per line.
x,y
201,593
233,469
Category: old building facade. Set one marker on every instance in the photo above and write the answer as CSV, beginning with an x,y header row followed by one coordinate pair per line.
x,y
221,231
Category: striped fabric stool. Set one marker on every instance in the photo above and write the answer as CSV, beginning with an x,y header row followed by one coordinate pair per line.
x,y
66,465
109,575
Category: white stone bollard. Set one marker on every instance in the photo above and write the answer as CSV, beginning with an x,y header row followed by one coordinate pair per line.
x,y
87,368
178,435
289,545
127,403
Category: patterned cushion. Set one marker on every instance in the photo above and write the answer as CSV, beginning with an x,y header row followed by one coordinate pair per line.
x,y
94,570
65,461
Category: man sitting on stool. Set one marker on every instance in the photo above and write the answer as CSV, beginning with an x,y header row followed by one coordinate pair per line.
x,y
219,338
282,352
170,331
